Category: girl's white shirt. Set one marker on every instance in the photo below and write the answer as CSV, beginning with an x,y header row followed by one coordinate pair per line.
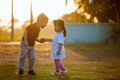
x,y
57,38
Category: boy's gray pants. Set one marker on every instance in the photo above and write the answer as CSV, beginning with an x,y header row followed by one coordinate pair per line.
x,y
26,51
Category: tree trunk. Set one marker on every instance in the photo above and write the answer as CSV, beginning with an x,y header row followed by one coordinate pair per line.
x,y
12,23
117,15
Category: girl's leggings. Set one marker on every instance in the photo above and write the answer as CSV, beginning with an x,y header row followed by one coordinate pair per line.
x,y
59,65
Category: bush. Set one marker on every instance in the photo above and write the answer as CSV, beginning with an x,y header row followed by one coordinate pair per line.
x,y
114,35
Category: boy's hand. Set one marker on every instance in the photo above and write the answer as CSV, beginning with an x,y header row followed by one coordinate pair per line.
x,y
38,40
42,40
26,44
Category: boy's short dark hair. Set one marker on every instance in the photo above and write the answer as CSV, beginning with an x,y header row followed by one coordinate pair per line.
x,y
42,16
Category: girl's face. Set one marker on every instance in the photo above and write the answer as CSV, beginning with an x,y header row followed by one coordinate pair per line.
x,y
57,28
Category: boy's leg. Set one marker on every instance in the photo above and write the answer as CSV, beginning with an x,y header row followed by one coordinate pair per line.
x,y
31,58
23,53
31,61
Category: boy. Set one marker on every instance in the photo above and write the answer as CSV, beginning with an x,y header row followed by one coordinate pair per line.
x,y
27,43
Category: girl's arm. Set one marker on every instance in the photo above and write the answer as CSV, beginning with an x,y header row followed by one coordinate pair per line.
x,y
59,48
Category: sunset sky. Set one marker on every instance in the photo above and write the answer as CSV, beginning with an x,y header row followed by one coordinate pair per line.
x,y
52,8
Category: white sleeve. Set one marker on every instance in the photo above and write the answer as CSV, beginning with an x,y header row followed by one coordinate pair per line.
x,y
61,39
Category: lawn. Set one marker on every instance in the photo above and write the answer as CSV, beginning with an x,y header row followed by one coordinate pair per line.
x,y
83,62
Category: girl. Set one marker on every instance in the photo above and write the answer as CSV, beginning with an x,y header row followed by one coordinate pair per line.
x,y
57,46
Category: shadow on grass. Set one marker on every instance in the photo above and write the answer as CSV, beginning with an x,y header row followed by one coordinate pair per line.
x,y
95,52
95,61
26,77
62,77
7,72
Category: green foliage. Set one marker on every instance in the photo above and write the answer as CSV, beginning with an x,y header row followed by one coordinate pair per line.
x,y
102,9
115,32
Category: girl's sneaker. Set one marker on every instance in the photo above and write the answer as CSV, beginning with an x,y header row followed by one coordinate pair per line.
x,y
55,73
64,72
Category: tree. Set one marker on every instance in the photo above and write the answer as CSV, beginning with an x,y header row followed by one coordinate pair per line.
x,y
25,24
12,23
114,34
0,20
31,12
102,9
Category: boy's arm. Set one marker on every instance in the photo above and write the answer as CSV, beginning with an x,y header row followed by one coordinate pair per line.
x,y
59,48
42,40
39,40
25,38
48,40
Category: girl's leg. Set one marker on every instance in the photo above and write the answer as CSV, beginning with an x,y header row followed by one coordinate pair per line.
x,y
57,66
61,66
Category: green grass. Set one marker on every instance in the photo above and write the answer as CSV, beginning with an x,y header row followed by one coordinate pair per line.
x,y
83,62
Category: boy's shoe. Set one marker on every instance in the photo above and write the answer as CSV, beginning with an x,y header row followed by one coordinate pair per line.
x,y
31,72
21,73
64,72
55,73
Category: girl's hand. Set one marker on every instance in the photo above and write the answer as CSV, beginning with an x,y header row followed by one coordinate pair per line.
x,y
59,49
58,52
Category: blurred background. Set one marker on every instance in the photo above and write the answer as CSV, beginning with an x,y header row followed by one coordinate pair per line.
x,y
15,15
95,22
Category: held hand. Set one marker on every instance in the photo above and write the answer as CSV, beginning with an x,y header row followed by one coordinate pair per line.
x,y
42,40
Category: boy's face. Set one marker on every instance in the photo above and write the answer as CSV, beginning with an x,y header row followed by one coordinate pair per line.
x,y
42,24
